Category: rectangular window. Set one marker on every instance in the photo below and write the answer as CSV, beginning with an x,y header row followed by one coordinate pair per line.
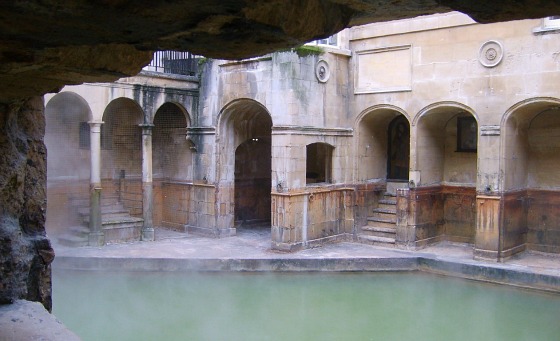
x,y
319,163
467,134
84,135
548,24
330,41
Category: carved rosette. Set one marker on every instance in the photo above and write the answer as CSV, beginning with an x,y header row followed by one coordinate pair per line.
x,y
491,53
322,71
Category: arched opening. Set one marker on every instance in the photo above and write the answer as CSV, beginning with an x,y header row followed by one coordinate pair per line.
x,y
245,158
172,156
383,149
446,159
68,165
172,167
447,147
121,155
531,140
383,163
398,151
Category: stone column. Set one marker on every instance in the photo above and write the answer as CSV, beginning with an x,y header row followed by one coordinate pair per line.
x,y
96,236
147,184
493,241
406,235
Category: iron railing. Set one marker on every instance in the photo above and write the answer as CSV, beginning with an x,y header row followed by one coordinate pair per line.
x,y
174,62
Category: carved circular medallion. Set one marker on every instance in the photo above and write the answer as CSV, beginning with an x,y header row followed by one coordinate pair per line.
x,y
491,53
322,71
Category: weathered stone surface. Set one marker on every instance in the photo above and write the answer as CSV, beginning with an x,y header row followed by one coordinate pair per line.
x,y
47,44
25,251
24,321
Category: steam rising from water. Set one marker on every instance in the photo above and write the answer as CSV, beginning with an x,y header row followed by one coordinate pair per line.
x,y
234,306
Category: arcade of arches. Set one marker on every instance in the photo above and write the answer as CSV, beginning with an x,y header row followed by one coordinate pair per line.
x,y
269,143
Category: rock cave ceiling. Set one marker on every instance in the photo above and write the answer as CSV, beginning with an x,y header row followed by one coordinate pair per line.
x,y
46,44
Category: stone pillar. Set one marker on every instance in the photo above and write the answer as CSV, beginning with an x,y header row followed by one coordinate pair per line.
x,y
493,239
405,235
96,236
147,184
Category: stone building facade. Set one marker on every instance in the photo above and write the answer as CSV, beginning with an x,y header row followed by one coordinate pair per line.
x,y
405,133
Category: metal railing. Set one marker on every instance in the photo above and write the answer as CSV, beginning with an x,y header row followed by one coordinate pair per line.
x,y
174,62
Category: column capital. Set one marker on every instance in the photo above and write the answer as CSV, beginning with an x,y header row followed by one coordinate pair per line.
x,y
95,123
146,128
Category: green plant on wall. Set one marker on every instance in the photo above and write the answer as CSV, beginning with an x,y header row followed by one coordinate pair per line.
x,y
306,50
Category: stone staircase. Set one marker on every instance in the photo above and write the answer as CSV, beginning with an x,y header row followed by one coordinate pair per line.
x,y
116,222
381,228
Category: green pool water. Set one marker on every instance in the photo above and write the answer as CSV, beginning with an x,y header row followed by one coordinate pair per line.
x,y
312,306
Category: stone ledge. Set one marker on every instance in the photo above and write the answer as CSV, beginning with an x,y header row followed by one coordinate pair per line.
x,y
466,269
25,320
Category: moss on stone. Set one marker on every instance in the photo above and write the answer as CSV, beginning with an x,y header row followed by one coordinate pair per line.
x,y
305,50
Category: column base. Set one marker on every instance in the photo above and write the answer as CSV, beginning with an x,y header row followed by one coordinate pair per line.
x,y
148,234
96,239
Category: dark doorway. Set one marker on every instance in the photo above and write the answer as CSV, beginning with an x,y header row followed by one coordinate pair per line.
x,y
252,182
398,157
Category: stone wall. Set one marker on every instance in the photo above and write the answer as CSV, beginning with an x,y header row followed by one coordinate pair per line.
x,y
459,213
543,220
25,251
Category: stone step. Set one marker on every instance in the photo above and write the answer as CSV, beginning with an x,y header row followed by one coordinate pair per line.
x,y
384,213
79,230
117,216
134,222
377,231
388,202
72,240
79,202
378,241
381,222
105,209
384,216
389,196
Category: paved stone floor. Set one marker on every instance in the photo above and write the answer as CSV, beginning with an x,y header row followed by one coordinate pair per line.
x,y
250,250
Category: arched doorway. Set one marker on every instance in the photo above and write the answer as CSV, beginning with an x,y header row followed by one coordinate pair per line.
x,y
383,146
398,149
252,182
245,159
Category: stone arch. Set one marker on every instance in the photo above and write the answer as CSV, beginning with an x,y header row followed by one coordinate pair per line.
x,y
372,147
244,160
530,158
172,154
445,173
530,150
121,154
442,157
67,137
179,107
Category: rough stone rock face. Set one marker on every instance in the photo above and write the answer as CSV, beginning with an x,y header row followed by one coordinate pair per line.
x,y
47,44
25,251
